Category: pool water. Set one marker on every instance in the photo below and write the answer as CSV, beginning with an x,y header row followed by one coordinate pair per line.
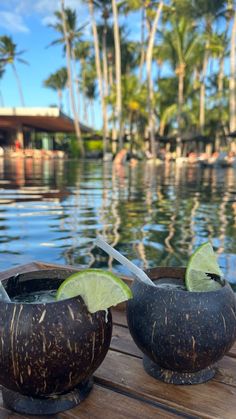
x,y
154,215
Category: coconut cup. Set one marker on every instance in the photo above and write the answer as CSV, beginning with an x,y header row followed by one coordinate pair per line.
x,y
48,351
181,334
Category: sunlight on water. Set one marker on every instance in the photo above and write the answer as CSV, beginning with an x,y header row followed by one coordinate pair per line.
x,y
52,211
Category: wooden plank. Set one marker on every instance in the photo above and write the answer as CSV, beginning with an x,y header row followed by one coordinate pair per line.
x,y
226,371
123,342
105,403
208,400
119,317
232,351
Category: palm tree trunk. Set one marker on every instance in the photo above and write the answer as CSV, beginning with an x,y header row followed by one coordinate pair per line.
x,y
76,80
68,104
92,113
105,67
118,74
99,75
19,85
70,81
203,90
113,129
220,81
131,134
85,106
181,73
1,99
142,55
151,122
232,84
104,58
59,94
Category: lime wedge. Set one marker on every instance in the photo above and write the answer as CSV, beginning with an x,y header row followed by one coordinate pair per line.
x,y
202,263
99,289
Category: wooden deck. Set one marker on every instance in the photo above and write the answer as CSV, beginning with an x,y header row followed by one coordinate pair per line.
x,y
122,388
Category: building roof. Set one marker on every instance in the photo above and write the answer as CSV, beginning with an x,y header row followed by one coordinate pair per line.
x,y
41,119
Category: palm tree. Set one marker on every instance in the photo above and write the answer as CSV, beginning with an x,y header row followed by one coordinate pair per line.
x,y
134,6
149,56
82,51
99,73
65,26
232,82
2,71
118,73
9,55
90,86
57,81
181,44
104,6
74,35
209,12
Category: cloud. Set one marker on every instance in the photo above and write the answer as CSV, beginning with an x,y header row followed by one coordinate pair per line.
x,y
12,22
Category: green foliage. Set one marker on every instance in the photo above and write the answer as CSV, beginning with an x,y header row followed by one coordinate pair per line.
x,y
8,51
93,146
57,80
73,148
187,34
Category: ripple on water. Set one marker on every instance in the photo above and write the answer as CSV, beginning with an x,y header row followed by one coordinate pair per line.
x,y
156,216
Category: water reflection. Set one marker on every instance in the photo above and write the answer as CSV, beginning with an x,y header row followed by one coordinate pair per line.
x,y
155,215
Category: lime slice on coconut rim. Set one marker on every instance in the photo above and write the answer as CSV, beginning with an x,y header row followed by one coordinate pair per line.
x,y
99,289
201,270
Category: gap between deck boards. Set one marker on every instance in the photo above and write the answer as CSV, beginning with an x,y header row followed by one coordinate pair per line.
x,y
164,407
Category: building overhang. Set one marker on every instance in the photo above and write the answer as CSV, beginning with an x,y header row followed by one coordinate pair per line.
x,y
39,119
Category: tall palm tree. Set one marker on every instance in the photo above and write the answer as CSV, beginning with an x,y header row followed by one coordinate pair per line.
x,y
149,57
181,43
207,12
82,51
134,6
99,73
57,81
9,55
65,28
104,6
2,71
118,73
90,86
74,35
232,81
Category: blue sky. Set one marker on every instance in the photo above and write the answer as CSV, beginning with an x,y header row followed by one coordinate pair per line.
x,y
26,21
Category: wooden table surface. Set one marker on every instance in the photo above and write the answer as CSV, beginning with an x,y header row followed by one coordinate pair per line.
x,y
123,390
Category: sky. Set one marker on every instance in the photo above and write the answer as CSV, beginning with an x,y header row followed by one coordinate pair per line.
x,y
26,21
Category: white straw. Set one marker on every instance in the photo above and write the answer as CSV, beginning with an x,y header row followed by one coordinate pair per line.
x,y
123,260
3,294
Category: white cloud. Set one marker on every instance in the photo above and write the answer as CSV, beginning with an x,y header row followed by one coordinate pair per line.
x,y
12,21
49,20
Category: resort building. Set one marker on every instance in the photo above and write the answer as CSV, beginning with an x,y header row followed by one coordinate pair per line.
x,y
34,128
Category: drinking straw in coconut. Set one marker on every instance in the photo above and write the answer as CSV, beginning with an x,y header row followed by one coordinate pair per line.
x,y
140,275
3,294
